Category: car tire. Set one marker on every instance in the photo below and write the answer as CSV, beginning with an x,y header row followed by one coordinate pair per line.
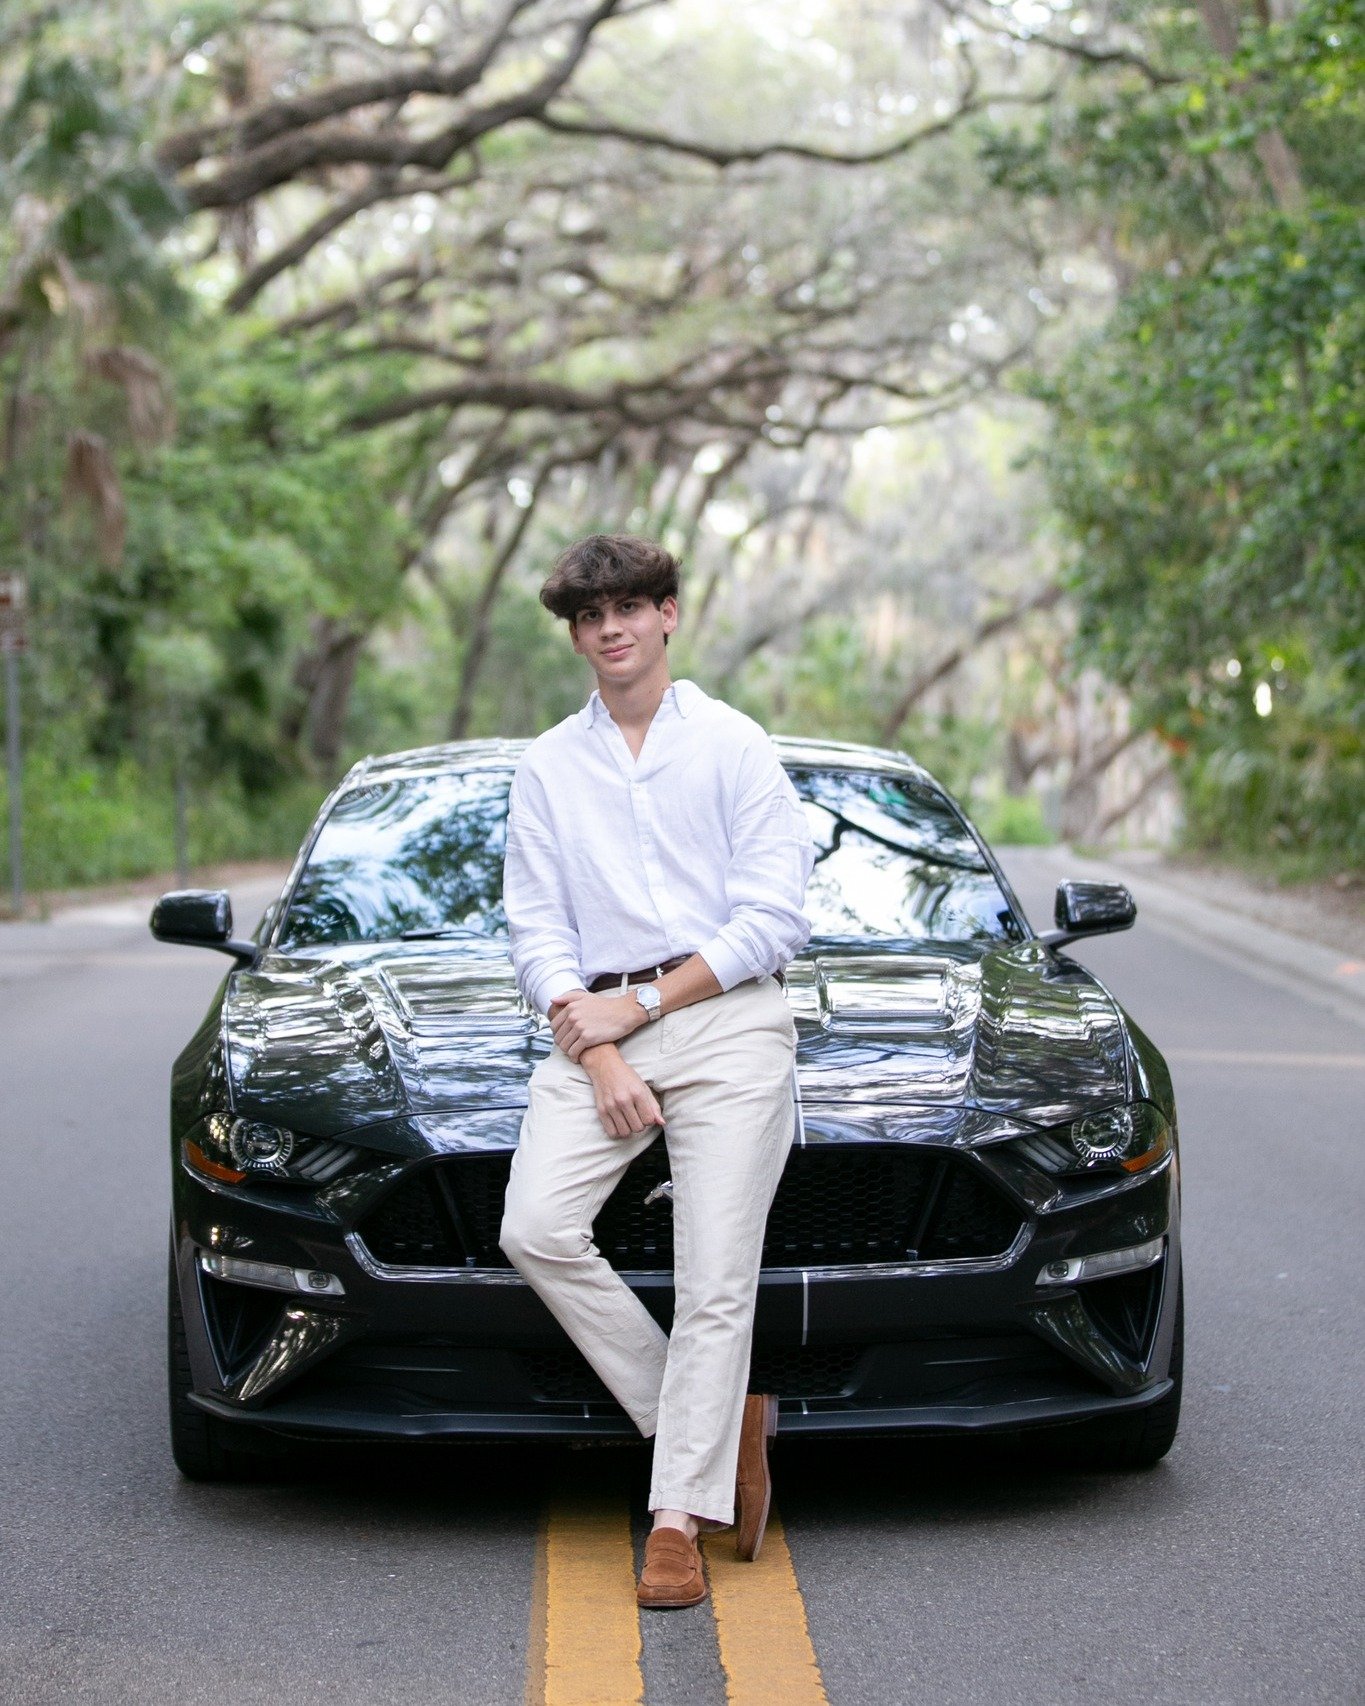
x,y
1139,1441
204,1448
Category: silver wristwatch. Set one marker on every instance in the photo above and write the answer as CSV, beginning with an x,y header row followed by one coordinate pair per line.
x,y
650,999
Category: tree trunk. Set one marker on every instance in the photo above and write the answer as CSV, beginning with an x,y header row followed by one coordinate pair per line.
x,y
321,687
1276,156
331,699
481,623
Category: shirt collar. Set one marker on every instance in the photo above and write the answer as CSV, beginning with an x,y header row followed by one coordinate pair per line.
x,y
686,696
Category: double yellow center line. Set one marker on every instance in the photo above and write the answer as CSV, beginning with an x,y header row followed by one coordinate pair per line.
x,y
765,1645
585,1645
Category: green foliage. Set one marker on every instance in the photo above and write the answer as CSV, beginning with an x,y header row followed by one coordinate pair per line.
x,y
828,688
257,519
1208,451
1286,786
90,822
70,146
1206,458
533,677
1012,820
831,688
1210,454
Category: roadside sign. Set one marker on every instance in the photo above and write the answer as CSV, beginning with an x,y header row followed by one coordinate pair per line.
x,y
13,597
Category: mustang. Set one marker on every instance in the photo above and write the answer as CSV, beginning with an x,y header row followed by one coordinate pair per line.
x,y
977,1228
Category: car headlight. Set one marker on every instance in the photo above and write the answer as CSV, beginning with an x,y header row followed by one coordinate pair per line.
x,y
230,1149
1131,1137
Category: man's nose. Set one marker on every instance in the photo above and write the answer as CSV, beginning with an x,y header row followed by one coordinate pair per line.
x,y
611,622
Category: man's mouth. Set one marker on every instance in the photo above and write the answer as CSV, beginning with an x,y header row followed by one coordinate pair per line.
x,y
614,651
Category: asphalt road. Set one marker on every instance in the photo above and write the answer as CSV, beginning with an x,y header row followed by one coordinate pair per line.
x,y
1230,1574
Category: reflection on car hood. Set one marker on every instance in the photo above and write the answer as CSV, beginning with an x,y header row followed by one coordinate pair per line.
x,y
326,1042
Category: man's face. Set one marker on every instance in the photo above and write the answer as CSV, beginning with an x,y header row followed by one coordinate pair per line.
x,y
623,638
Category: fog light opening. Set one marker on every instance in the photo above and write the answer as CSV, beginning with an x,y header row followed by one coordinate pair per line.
x,y
271,1276
1071,1270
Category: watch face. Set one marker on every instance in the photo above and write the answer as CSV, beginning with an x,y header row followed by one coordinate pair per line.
x,y
648,998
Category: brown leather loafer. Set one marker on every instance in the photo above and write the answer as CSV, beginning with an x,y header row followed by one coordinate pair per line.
x,y
672,1575
753,1480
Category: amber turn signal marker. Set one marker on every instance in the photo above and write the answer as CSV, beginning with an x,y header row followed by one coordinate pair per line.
x,y
1149,1157
214,1169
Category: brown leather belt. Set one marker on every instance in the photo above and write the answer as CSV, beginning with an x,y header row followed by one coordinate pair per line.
x,y
647,974
612,979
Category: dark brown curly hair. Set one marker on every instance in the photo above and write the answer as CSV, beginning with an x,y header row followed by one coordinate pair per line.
x,y
609,566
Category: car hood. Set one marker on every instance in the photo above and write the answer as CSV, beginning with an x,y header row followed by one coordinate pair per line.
x,y
329,1042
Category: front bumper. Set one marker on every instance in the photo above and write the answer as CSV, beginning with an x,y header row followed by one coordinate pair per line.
x,y
929,1347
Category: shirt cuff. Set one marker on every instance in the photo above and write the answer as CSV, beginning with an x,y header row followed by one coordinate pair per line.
x,y
727,967
557,983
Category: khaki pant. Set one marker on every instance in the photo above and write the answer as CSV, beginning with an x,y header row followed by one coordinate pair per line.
x,y
722,1072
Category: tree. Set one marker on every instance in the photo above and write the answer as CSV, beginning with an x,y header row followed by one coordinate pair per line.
x,y
573,293
1208,444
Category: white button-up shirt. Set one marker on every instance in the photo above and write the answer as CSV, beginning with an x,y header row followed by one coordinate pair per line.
x,y
615,863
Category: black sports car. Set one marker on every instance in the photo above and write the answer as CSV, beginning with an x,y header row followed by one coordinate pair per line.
x,y
978,1226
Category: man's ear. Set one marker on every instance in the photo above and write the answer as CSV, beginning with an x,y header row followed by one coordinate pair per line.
x,y
669,611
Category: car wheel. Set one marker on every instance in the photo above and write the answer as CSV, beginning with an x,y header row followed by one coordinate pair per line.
x,y
1130,1442
204,1448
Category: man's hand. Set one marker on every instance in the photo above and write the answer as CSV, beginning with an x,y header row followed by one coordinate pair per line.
x,y
581,1020
625,1103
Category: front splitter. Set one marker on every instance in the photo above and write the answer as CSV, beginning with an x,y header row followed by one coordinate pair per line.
x,y
796,1417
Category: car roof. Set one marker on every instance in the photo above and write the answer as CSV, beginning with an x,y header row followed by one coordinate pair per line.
x,y
456,755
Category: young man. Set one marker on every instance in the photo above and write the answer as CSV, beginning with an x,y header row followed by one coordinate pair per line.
x,y
657,860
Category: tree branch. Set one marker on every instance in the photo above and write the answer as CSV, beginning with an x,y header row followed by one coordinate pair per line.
x,y
480,627
1126,807
382,186
928,678
1071,47
715,154
252,130
295,153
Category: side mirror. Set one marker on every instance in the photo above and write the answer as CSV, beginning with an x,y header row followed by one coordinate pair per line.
x,y
200,918
1089,909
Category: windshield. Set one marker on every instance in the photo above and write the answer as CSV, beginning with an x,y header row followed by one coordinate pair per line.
x,y
422,856
418,853
892,858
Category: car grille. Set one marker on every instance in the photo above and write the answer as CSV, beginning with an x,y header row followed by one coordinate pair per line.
x,y
819,1371
836,1204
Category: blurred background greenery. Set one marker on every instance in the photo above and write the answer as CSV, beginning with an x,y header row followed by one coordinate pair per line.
x,y
996,367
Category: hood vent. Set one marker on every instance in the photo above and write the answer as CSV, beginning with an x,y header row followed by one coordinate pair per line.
x,y
885,992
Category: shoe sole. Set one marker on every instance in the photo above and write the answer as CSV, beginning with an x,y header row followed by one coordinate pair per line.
x,y
769,1432
671,1604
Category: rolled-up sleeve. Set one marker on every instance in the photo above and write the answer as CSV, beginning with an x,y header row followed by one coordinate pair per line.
x,y
770,862
547,956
